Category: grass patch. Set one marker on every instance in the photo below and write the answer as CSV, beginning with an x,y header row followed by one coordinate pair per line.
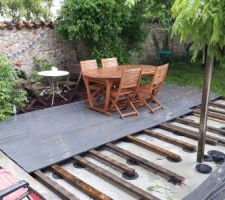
x,y
191,74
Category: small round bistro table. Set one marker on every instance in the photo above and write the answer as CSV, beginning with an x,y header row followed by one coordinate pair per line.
x,y
53,76
109,75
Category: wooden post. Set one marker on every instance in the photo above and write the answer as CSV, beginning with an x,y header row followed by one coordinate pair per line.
x,y
204,110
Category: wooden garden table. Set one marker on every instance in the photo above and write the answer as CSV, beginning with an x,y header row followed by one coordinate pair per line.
x,y
110,76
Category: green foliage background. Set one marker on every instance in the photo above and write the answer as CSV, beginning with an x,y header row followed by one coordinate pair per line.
x,y
203,22
10,92
28,9
110,27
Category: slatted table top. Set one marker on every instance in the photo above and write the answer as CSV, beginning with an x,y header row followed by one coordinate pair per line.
x,y
116,72
37,139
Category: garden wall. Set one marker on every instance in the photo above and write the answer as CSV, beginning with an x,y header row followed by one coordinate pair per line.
x,y
22,44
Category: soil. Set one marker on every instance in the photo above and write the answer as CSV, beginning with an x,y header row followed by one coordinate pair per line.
x,y
78,96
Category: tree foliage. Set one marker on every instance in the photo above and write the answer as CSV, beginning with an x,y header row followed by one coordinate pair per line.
x,y
160,11
202,21
28,9
110,27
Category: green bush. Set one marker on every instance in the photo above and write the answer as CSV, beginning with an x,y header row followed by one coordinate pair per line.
x,y
110,27
40,65
10,92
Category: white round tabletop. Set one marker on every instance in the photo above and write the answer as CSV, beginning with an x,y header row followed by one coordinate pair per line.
x,y
53,73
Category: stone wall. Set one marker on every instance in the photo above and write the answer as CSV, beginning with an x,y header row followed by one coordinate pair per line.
x,y
150,54
21,45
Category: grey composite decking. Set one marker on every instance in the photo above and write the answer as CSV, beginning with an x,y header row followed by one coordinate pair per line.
x,y
37,139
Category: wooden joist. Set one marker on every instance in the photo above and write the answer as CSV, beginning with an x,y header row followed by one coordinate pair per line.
x,y
155,148
210,114
123,167
53,185
115,179
213,110
171,140
86,188
186,132
217,105
196,125
169,175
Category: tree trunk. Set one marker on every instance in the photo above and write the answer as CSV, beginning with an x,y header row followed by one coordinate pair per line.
x,y
204,110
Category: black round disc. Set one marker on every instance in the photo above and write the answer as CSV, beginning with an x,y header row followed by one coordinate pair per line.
x,y
56,176
130,176
78,165
131,162
217,156
203,168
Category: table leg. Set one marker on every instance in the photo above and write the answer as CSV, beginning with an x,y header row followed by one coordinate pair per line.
x,y
53,91
90,100
107,95
59,91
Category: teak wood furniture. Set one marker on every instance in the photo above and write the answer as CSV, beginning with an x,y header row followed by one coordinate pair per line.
x,y
109,62
93,85
127,90
149,92
108,76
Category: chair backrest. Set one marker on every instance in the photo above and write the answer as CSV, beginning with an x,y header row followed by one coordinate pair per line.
x,y
130,78
88,64
109,62
158,79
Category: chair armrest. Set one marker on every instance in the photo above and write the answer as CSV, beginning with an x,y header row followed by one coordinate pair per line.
x,y
13,188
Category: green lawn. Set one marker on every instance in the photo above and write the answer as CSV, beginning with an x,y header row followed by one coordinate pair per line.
x,y
192,75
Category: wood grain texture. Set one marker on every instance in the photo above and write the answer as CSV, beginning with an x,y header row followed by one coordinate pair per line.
x,y
156,148
53,185
145,163
187,133
112,162
196,125
171,140
115,179
86,188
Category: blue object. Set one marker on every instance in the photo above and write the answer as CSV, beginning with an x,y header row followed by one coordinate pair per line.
x,y
217,156
203,168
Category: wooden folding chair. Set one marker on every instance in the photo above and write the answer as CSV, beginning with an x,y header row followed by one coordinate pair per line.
x,y
93,86
149,92
109,62
31,89
126,91
72,81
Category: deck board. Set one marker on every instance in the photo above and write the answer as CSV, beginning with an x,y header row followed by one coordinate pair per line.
x,y
37,139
